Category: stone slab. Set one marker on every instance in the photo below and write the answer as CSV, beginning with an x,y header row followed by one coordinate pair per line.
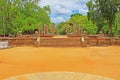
x,y
58,76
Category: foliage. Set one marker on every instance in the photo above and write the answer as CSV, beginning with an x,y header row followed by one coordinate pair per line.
x,y
116,30
61,28
22,15
79,21
102,12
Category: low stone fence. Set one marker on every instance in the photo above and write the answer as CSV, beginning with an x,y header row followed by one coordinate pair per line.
x,y
18,41
67,41
99,41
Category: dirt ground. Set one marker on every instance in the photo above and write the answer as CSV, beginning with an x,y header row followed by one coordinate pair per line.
x,y
103,61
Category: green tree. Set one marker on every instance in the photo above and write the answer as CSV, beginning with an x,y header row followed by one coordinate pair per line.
x,y
117,24
103,11
5,16
61,28
22,15
79,21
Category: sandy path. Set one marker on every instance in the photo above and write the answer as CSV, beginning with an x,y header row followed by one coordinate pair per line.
x,y
103,61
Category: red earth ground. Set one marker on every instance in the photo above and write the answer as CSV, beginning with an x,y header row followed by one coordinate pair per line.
x,y
103,61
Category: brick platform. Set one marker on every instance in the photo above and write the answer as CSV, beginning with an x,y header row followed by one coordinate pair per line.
x,y
62,41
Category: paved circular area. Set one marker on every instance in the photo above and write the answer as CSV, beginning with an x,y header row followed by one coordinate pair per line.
x,y
58,76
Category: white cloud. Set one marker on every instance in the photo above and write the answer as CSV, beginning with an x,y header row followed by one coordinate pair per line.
x,y
59,10
63,8
58,19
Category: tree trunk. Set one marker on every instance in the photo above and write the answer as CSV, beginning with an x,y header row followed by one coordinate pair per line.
x,y
110,26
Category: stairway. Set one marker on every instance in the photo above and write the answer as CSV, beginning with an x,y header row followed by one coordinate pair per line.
x,y
49,41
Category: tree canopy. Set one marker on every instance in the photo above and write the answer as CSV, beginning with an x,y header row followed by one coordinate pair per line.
x,y
22,15
103,11
79,21
26,15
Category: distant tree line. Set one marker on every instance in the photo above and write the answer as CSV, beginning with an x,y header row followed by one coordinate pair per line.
x,y
26,15
103,15
79,21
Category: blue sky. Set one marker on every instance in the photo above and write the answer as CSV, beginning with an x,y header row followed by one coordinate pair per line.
x,y
62,9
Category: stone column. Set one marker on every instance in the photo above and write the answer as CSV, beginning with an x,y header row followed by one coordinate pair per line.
x,y
101,40
68,30
45,29
79,30
19,39
53,30
101,34
83,39
37,41
84,33
19,34
39,29
74,30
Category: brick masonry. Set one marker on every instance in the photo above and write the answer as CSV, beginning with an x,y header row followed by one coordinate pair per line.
x,y
65,41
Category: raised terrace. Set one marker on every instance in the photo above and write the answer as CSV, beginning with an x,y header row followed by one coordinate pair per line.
x,y
62,41
47,35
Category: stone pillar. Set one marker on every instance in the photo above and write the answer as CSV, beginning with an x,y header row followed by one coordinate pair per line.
x,y
53,30
100,34
79,30
101,40
37,41
39,29
83,39
36,34
19,34
19,39
68,30
74,30
45,29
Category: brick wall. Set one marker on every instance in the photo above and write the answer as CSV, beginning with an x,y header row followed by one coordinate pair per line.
x,y
70,41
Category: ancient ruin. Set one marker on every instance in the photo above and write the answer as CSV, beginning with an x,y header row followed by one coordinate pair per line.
x,y
77,37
